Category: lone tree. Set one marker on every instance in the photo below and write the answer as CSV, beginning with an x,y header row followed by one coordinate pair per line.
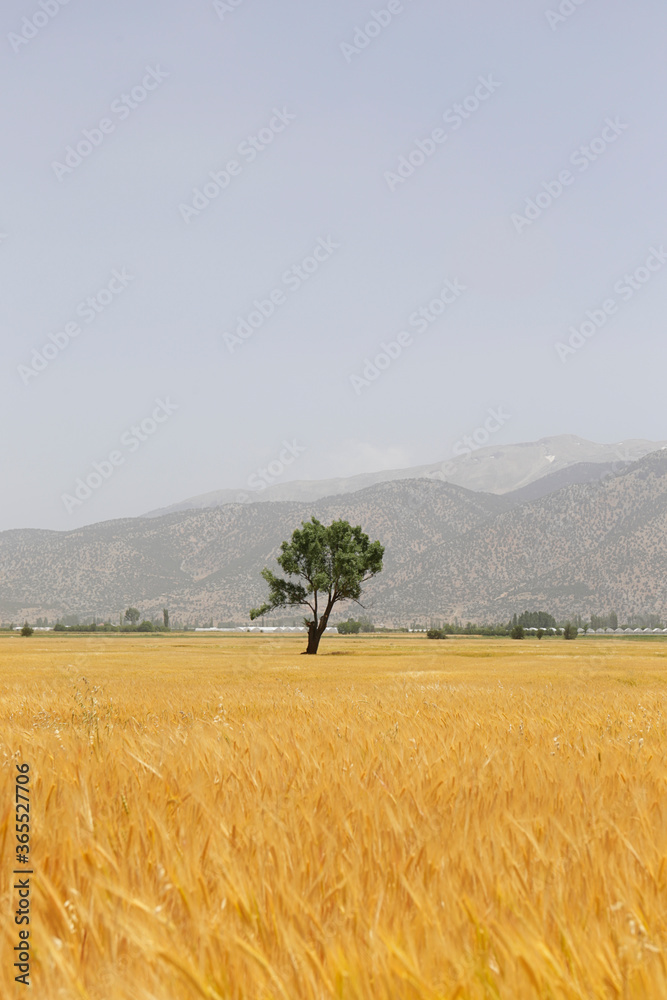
x,y
332,561
132,615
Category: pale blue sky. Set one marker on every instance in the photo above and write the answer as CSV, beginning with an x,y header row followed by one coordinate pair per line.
x,y
220,77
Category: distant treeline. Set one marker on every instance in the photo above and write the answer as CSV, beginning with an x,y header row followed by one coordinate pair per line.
x,y
145,626
526,620
544,620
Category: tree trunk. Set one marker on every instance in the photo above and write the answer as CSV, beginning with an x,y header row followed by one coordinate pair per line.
x,y
315,633
314,636
316,629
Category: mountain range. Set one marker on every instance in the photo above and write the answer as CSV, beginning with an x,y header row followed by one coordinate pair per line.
x,y
585,538
490,469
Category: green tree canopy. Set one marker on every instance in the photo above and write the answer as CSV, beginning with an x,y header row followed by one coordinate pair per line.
x,y
536,619
352,627
330,564
132,615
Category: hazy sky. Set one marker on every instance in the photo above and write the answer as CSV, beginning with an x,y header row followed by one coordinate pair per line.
x,y
372,161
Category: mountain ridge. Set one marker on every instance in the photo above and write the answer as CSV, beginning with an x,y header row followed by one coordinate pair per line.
x,y
584,548
490,469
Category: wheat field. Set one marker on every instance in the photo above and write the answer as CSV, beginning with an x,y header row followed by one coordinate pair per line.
x,y
221,817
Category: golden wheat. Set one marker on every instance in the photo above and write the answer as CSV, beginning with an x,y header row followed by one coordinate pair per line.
x,y
220,817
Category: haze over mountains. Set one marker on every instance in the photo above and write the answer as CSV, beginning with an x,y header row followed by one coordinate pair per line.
x,y
586,546
492,469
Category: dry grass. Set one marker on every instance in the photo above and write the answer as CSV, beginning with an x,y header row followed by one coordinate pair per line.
x,y
224,818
